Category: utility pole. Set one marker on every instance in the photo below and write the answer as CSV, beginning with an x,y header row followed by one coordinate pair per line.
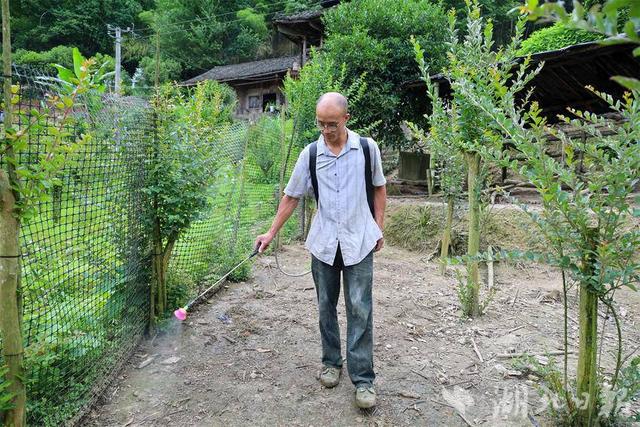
x,y
116,33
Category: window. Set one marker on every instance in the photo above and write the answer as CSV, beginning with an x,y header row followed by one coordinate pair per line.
x,y
254,102
269,102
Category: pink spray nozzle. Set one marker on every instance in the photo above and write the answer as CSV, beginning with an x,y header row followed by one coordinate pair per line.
x,y
180,313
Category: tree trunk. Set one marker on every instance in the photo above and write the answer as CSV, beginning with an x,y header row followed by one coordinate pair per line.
x,y
10,315
446,237
473,244
158,275
587,379
10,299
164,265
430,174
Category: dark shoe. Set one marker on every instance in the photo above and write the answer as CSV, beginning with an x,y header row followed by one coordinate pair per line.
x,y
365,396
330,376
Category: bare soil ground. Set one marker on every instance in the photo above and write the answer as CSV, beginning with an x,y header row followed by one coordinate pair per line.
x,y
250,356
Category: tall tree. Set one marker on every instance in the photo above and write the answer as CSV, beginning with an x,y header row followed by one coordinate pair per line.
x,y
43,24
372,37
196,35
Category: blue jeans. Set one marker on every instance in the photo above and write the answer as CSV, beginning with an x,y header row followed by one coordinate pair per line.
x,y
358,281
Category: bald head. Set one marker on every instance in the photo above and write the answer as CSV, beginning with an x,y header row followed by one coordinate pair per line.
x,y
332,117
333,101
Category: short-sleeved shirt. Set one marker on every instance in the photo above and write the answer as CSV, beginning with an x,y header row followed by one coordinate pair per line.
x,y
343,215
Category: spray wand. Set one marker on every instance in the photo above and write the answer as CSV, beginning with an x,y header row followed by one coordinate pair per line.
x,y
181,313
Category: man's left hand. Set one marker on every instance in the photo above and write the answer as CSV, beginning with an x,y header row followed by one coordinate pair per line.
x,y
379,244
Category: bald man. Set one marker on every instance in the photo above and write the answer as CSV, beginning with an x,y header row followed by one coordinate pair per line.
x,y
345,232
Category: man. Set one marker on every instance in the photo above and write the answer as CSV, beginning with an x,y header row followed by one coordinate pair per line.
x,y
343,237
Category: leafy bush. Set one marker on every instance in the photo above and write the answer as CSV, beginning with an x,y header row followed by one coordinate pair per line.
x,y
372,37
192,143
556,37
62,55
320,75
187,151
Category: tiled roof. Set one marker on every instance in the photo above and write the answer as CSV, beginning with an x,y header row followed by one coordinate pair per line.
x,y
246,70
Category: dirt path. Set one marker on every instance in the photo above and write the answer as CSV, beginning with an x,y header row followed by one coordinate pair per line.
x,y
251,355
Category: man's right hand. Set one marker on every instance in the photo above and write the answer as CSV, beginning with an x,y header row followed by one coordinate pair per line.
x,y
263,241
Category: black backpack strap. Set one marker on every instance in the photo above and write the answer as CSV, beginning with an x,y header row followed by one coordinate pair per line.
x,y
368,176
313,153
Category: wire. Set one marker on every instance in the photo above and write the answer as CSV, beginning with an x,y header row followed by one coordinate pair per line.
x,y
275,254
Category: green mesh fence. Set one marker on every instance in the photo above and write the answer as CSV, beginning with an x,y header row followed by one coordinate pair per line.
x,y
87,254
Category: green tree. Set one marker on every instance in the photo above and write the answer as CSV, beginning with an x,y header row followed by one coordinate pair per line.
x,y
443,152
40,25
586,217
372,37
185,155
472,62
497,11
198,35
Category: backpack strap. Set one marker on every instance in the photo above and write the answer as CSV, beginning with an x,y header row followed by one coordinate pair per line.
x,y
313,154
368,176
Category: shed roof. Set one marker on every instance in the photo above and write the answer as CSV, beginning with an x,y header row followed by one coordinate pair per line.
x,y
248,72
561,82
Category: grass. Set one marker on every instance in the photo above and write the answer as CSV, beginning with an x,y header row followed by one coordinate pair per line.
x,y
419,227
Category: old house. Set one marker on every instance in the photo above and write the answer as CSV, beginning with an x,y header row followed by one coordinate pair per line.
x,y
258,83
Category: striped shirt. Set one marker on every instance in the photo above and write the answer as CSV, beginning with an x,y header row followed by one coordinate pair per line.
x,y
343,215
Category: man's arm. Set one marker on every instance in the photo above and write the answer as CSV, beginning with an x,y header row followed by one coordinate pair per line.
x,y
285,209
379,205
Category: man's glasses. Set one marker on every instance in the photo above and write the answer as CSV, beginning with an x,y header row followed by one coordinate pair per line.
x,y
330,126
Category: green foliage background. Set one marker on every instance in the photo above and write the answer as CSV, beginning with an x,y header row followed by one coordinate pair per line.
x,y
372,37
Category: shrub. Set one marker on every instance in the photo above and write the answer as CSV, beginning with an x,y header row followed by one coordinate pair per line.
x,y
192,133
62,55
372,37
556,37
